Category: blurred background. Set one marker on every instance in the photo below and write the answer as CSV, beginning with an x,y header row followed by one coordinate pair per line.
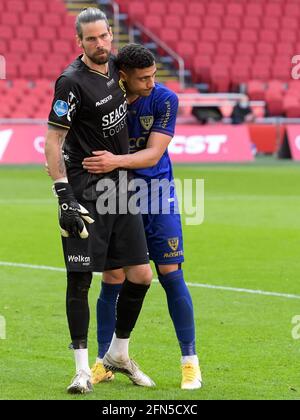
x,y
231,62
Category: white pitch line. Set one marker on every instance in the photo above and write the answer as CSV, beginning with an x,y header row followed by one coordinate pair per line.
x,y
28,202
203,286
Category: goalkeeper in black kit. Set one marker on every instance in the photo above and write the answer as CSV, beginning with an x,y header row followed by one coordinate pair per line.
x,y
89,113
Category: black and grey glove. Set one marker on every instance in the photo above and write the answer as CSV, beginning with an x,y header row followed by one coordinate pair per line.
x,y
71,214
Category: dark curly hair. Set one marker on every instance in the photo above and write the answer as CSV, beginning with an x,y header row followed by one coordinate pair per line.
x,y
134,56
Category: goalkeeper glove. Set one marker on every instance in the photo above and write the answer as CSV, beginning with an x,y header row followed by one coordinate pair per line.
x,y
71,214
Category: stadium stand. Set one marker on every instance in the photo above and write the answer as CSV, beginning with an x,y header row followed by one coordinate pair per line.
x,y
229,43
37,41
226,45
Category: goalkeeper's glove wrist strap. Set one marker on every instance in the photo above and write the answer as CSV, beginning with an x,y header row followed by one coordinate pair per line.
x,y
63,191
64,180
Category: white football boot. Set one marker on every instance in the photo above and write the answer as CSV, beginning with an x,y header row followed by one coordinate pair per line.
x,y
81,383
128,368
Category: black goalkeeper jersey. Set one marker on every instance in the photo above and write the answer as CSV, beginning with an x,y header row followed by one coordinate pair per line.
x,y
93,107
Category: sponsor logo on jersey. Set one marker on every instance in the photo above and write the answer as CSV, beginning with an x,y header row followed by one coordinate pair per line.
x,y
111,83
61,108
173,243
147,122
72,103
104,101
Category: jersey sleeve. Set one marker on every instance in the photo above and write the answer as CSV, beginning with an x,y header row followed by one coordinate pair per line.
x,y
66,103
166,114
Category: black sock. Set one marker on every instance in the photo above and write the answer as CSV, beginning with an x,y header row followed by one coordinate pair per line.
x,y
129,306
78,312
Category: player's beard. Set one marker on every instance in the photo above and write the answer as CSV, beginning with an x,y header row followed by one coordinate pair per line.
x,y
99,59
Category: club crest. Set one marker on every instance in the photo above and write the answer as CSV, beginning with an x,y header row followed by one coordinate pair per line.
x,y
173,243
147,122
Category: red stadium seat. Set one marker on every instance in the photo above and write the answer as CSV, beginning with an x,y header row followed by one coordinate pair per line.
x,y
43,87
220,79
30,69
172,21
267,35
46,33
69,21
137,8
6,32
157,8
25,32
226,48
265,48
196,8
56,7
270,23
174,86
248,35
153,22
251,22
31,19
234,9
232,22
12,71
272,9
281,72
15,6
276,87
288,36
285,48
245,48
292,10
40,45
211,22
186,50
170,36
260,72
210,35
254,9
9,17
289,23
215,9
227,35
18,45
291,107
274,104
52,19
37,6
20,86
256,90
191,34
206,48
239,74
61,46
177,8
51,71
192,21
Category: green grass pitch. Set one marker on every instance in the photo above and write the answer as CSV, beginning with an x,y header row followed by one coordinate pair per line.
x,y
249,240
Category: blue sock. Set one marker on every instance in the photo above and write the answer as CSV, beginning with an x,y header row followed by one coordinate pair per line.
x,y
181,310
106,316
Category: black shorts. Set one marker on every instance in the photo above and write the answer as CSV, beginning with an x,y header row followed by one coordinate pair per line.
x,y
114,241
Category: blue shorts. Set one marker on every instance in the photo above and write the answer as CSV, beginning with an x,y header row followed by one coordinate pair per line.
x,y
164,238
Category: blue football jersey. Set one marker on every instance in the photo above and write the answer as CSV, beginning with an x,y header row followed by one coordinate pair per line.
x,y
155,113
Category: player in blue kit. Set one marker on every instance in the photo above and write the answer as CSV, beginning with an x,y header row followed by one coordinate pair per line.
x,y
152,111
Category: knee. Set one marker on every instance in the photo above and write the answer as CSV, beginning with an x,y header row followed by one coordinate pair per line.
x,y
140,274
163,270
79,284
114,276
